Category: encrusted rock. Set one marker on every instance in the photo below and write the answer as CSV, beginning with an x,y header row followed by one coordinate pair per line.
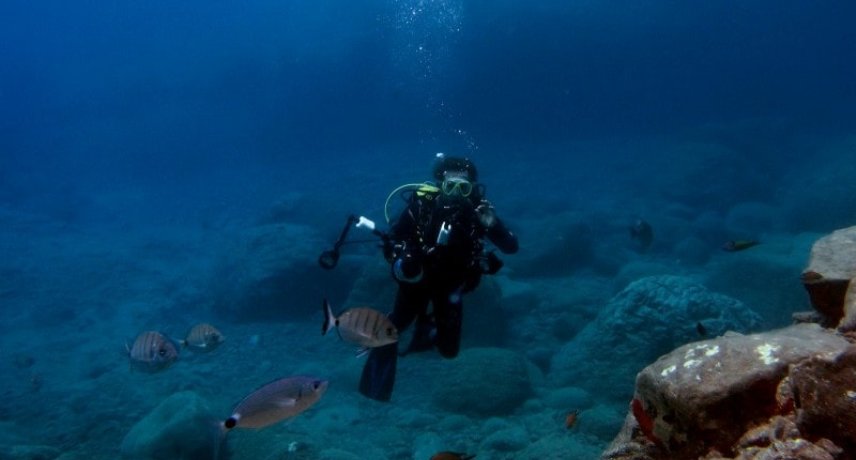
x,y
848,322
778,428
825,393
704,395
827,278
630,444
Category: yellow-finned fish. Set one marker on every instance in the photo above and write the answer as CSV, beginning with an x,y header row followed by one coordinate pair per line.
x,y
363,326
276,401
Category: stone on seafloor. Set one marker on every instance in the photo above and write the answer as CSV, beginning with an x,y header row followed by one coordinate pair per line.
x,y
180,428
484,382
831,267
825,391
704,395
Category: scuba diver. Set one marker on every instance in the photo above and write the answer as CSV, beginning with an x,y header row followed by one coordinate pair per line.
x,y
437,253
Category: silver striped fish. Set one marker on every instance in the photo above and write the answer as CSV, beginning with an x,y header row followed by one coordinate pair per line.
x,y
203,338
276,401
363,326
151,352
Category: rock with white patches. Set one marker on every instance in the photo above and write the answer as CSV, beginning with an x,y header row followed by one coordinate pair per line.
x,y
704,395
825,394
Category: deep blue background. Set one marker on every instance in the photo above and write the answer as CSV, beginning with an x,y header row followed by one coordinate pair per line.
x,y
97,95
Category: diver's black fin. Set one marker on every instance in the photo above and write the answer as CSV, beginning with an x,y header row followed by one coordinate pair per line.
x,y
379,373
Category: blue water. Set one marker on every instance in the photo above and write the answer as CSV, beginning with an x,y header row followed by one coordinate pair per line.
x,y
166,163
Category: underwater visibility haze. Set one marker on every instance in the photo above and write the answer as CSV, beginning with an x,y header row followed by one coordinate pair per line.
x,y
165,165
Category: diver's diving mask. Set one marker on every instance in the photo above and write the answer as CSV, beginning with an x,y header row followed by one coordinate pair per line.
x,y
457,186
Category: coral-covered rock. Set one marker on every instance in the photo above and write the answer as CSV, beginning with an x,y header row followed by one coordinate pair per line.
x,y
825,391
732,397
704,396
648,318
784,394
827,278
484,382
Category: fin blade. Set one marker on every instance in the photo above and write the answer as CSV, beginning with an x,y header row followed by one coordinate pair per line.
x,y
329,318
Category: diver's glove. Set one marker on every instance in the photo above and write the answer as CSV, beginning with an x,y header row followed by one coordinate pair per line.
x,y
486,213
407,269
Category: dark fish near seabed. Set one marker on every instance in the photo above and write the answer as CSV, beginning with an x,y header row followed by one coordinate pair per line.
x,y
739,245
702,331
203,338
363,326
276,401
642,233
152,352
451,456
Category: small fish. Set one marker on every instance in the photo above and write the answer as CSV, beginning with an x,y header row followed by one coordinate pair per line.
x,y
276,401
699,327
446,455
363,326
152,352
739,245
642,232
203,338
571,419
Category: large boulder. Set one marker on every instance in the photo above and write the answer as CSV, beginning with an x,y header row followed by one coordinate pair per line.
x,y
649,317
828,277
180,428
484,382
729,395
271,273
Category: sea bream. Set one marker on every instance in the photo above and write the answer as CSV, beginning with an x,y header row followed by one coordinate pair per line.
x,y
363,326
203,338
152,352
276,401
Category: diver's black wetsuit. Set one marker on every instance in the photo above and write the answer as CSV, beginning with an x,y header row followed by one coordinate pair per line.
x,y
449,270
